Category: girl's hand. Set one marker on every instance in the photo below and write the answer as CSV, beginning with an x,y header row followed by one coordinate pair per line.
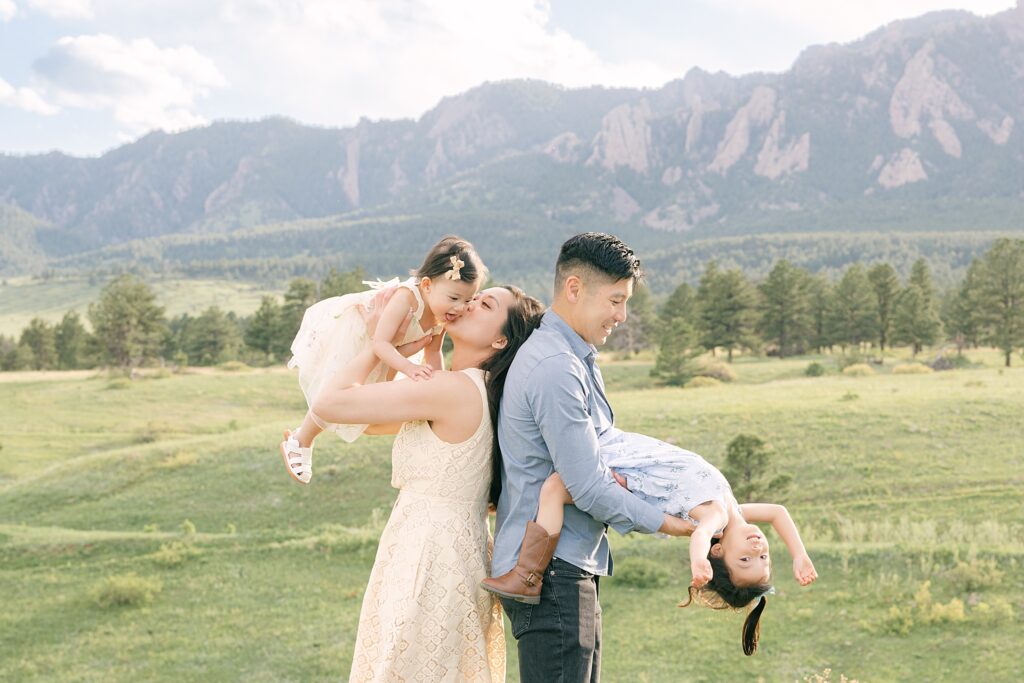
x,y
803,570
417,372
701,570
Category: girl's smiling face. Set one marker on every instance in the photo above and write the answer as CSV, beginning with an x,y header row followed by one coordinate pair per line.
x,y
744,549
448,298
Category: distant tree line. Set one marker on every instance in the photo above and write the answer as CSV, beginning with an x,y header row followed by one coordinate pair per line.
x,y
789,312
793,312
129,329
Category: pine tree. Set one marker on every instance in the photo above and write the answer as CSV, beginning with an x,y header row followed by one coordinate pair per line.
x,y
71,339
678,345
961,312
786,308
851,319
263,331
820,310
727,310
39,338
1002,295
886,286
210,338
128,324
914,321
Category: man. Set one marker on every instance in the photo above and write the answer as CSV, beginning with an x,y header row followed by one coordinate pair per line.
x,y
553,415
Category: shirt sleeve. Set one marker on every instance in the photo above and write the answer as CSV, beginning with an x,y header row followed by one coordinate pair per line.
x,y
558,401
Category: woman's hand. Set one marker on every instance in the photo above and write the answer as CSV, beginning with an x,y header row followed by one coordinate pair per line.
x,y
621,480
701,570
803,570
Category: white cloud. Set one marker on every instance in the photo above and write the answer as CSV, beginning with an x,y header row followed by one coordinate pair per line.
x,y
330,62
144,86
7,10
63,9
24,98
847,21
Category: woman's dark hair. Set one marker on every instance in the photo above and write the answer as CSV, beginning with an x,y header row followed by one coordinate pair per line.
x,y
599,253
439,260
736,597
523,318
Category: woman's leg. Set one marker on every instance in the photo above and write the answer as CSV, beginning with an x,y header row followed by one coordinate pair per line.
x,y
551,508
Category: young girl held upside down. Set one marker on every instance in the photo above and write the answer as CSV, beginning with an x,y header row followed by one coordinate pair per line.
x,y
729,555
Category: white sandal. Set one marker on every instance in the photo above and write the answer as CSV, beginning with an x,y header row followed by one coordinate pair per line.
x,y
297,459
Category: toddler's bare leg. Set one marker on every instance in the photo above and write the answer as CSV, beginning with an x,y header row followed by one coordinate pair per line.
x,y
308,431
553,499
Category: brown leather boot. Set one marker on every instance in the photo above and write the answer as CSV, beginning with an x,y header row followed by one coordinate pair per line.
x,y
523,582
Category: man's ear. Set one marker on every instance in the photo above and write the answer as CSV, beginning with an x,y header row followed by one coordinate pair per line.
x,y
717,550
573,288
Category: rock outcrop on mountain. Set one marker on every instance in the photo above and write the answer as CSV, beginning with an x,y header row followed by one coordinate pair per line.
x,y
918,109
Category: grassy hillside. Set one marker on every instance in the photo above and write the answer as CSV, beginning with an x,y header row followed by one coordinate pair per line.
x,y
167,493
22,299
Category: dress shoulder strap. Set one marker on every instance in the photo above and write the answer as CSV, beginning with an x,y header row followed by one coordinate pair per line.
x,y
412,284
478,375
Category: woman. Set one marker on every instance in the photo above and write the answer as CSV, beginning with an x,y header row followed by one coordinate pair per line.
x,y
424,615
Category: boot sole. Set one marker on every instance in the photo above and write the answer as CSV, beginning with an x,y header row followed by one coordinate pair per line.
x,y
528,599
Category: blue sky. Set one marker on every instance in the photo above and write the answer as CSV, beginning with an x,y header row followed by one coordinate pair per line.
x,y
84,76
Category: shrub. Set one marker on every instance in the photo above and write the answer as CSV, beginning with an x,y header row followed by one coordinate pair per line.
x,y
975,575
234,366
119,383
720,371
640,572
699,382
749,470
188,528
174,554
858,370
912,369
951,363
124,591
849,396
815,370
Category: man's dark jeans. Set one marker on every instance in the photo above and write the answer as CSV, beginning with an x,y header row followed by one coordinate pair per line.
x,y
559,639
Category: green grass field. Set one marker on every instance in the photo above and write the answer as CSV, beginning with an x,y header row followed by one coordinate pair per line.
x,y
22,299
167,494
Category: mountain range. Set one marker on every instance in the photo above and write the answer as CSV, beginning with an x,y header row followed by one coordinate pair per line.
x,y
916,127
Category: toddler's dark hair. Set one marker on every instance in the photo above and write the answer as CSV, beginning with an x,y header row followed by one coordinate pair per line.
x,y
736,597
439,260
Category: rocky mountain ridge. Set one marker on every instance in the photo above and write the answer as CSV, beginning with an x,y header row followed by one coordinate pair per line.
x,y
920,109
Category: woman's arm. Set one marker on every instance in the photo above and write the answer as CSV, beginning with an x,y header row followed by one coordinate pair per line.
x,y
784,526
439,398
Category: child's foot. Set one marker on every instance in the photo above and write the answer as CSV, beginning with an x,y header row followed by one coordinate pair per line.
x,y
297,459
523,582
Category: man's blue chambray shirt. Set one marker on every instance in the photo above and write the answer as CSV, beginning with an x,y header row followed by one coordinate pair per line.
x,y
553,414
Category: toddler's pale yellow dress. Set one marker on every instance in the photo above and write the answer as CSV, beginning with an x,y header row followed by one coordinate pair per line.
x,y
333,332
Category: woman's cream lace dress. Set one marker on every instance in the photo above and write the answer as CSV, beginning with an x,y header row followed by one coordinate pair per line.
x,y
424,615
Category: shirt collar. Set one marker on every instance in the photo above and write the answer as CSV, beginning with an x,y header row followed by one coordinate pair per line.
x,y
584,351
